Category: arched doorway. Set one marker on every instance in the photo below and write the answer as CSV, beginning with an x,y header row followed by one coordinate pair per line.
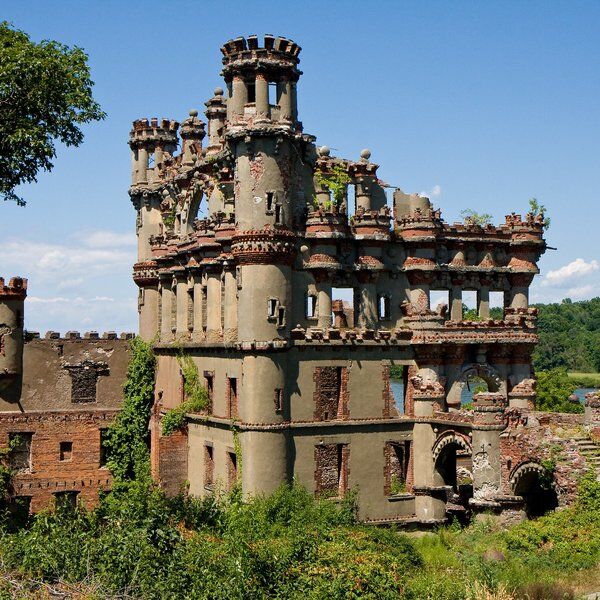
x,y
474,378
453,464
533,483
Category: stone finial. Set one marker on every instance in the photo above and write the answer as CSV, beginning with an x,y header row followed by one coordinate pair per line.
x,y
193,112
324,151
218,91
365,154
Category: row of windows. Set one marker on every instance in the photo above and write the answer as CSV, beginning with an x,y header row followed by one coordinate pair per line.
x,y
350,301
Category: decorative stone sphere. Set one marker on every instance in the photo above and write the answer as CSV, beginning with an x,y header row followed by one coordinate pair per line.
x,y
193,112
324,151
366,154
218,91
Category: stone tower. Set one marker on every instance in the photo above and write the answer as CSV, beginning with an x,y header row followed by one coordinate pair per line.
x,y
294,300
12,301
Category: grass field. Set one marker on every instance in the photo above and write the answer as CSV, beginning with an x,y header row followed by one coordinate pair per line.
x,y
585,379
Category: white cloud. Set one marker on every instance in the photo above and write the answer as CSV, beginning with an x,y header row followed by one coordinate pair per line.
x,y
434,192
81,282
567,275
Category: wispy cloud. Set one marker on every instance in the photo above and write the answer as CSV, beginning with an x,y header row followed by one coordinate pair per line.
x,y
578,280
574,271
434,192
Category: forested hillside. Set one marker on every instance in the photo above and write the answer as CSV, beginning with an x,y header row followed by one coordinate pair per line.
x,y
569,336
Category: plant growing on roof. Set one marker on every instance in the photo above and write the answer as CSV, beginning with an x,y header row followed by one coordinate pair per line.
x,y
335,181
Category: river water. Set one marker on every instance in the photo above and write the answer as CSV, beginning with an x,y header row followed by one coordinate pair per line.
x,y
467,395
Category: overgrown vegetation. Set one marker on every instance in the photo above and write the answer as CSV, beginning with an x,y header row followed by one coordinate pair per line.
x,y
539,210
196,397
553,390
127,439
472,217
336,182
140,544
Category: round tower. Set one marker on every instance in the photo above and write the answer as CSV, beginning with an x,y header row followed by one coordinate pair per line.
x,y
12,301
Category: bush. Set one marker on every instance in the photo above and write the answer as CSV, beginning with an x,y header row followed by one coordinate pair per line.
x,y
553,390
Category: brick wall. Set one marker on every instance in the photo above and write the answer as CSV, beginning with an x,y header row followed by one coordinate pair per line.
x,y
331,469
331,393
80,472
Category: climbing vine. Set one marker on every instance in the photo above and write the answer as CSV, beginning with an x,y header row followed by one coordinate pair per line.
x,y
126,442
195,394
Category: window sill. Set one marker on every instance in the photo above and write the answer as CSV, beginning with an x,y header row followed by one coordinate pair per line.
x,y
400,497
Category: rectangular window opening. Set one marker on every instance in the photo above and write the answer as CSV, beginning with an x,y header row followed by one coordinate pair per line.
x,y
103,450
66,500
270,198
311,306
232,399
278,214
272,86
497,305
19,451
251,87
384,307
65,451
279,401
209,466
331,472
281,316
272,307
438,300
469,305
232,470
343,308
209,379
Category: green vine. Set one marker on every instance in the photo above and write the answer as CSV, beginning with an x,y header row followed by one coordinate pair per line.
x,y
196,397
237,447
336,181
126,442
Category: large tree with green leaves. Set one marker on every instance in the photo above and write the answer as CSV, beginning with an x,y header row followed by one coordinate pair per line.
x,y
45,97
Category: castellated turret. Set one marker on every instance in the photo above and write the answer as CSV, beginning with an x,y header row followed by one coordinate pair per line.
x,y
12,301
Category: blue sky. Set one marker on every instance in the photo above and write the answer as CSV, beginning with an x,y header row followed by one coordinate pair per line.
x,y
481,105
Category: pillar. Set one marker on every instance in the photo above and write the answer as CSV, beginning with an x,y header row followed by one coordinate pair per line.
x,y
324,304
284,90
456,312
367,306
142,165
230,306
262,97
213,306
166,322
239,98
483,301
198,331
181,294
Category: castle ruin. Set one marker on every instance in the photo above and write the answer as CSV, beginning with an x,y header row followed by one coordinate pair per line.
x,y
296,297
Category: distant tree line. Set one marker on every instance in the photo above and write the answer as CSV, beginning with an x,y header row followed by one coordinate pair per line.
x,y
569,336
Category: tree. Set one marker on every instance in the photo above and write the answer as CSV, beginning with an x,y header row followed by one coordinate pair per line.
x,y
537,209
553,390
45,95
472,217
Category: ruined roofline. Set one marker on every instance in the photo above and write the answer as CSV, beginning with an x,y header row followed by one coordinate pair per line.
x,y
76,335
246,46
15,290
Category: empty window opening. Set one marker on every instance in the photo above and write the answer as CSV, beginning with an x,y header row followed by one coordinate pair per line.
x,y
396,467
19,509
473,385
190,314
272,93
311,306
209,466
279,401
65,500
278,214
19,451
65,451
397,387
384,306
209,382
331,473
270,199
469,304
343,308
272,307
232,470
281,316
232,397
440,302
330,393
497,305
251,87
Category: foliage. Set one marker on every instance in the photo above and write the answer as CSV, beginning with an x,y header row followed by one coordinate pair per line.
x,y
46,95
537,209
472,217
127,441
585,380
336,181
553,390
569,336
397,486
196,397
471,314
396,371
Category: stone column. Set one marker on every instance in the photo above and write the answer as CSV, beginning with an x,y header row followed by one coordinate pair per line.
x,y
483,300
367,306
239,98
519,291
198,332
323,302
430,504
182,305
166,321
142,169
284,89
213,325
230,307
262,97
489,422
456,313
